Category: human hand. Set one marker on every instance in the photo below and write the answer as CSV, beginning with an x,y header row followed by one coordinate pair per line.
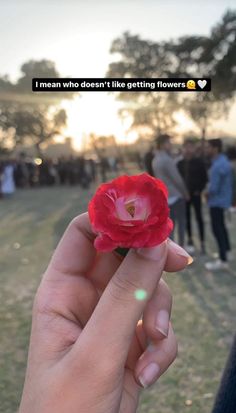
x,y
88,350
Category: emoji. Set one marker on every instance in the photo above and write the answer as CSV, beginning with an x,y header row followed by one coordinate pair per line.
x,y
202,83
191,84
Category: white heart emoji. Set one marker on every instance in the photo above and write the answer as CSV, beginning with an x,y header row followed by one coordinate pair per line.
x,y
202,83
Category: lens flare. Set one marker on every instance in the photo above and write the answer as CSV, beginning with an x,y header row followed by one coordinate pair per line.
x,y
140,295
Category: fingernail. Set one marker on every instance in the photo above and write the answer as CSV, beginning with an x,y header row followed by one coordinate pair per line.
x,y
180,251
154,253
149,374
162,322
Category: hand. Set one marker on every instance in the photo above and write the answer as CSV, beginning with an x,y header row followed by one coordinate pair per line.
x,y
88,350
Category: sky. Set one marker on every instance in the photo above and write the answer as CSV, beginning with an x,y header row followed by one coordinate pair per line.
x,y
77,34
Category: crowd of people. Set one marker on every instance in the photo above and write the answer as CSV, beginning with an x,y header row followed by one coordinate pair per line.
x,y
26,172
197,173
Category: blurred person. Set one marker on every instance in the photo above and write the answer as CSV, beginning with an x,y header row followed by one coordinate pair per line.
x,y
62,170
52,176
43,173
138,160
219,199
82,176
8,183
73,170
147,160
21,173
93,169
164,168
33,173
225,401
231,153
1,178
104,168
178,155
112,160
194,174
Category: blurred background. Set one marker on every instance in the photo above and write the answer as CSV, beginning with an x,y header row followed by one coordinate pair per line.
x,y
56,148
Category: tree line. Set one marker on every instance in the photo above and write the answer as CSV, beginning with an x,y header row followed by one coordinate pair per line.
x,y
37,118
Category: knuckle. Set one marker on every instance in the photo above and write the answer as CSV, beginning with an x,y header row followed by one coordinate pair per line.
x,y
171,350
122,287
44,300
40,304
165,291
74,222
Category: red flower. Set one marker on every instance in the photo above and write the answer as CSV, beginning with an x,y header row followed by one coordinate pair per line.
x,y
130,211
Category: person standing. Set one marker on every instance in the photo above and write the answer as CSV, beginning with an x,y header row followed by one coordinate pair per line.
x,y
148,158
1,178
219,198
231,153
8,183
164,168
194,174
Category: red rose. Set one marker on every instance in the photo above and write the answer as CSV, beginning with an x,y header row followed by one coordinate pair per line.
x,y
130,211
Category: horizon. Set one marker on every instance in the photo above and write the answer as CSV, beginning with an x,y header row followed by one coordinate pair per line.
x,y
77,37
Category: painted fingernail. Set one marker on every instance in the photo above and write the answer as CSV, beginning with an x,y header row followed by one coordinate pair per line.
x,y
149,374
162,322
180,251
154,253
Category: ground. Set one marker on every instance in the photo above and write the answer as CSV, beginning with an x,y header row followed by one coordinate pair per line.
x,y
203,311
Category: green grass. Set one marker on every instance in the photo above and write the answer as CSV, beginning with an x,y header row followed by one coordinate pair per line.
x,y
203,312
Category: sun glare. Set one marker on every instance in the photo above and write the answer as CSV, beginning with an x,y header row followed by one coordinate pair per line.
x,y
95,112
183,122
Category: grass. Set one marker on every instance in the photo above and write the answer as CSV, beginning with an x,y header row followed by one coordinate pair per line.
x,y
203,312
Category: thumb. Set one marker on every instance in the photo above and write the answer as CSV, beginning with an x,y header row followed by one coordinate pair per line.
x,y
112,325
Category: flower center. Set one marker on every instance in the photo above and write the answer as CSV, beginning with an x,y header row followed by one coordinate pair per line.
x,y
130,208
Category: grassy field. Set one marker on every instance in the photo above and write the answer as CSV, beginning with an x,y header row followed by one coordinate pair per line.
x,y
203,312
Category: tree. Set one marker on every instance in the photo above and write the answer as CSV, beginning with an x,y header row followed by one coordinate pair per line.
x,y
26,116
203,110
152,114
215,57
33,68
32,125
23,87
188,56
143,58
102,144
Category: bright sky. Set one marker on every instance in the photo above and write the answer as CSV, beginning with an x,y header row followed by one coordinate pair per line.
x,y
77,35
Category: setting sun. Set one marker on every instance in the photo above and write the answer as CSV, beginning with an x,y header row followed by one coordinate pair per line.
x,y
95,112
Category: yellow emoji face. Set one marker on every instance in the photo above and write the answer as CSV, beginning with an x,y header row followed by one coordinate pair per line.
x,y
191,84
